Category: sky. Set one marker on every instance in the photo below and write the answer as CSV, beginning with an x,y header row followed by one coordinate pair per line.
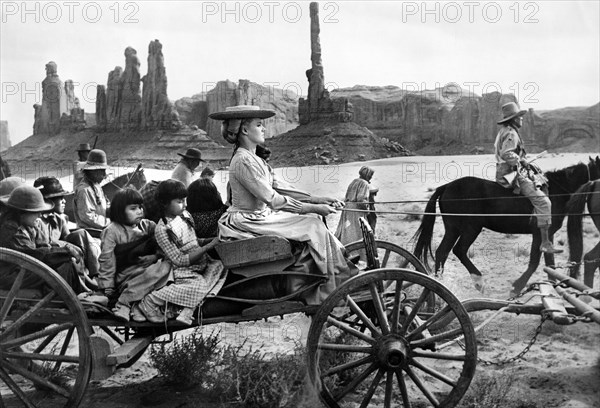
x,y
545,52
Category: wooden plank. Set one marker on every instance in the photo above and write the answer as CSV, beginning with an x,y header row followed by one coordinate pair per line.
x,y
100,348
128,350
553,304
268,248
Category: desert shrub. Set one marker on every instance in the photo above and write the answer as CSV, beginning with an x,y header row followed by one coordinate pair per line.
x,y
256,380
494,391
414,217
189,360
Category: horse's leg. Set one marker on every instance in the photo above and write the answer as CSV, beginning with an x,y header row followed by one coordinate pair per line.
x,y
534,261
592,262
443,250
461,249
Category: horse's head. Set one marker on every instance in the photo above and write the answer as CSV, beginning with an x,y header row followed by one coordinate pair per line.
x,y
594,168
139,179
569,179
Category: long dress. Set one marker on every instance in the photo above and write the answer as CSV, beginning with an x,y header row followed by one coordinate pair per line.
x,y
257,209
357,196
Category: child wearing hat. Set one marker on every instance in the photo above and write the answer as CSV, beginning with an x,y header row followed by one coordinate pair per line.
x,y
56,226
90,202
20,230
184,171
7,185
130,263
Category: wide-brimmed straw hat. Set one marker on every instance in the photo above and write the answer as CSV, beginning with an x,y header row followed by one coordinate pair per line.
x,y
84,147
509,111
242,112
27,198
50,187
194,154
96,160
8,184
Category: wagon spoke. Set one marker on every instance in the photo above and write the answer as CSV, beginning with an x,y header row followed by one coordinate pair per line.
x,y
381,315
389,387
386,257
21,320
41,357
438,337
430,322
352,385
64,347
50,331
439,356
345,327
434,373
403,390
348,366
372,388
362,316
10,297
37,379
396,307
44,343
415,378
415,310
14,388
345,348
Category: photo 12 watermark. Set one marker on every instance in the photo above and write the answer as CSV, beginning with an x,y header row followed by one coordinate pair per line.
x,y
266,11
470,12
70,12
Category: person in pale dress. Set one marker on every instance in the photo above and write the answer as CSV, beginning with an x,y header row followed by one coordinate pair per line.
x,y
357,198
257,209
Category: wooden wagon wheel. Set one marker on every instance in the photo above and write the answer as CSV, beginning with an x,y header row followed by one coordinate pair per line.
x,y
399,354
44,338
390,255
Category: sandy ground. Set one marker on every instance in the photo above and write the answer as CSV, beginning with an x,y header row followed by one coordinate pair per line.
x,y
561,370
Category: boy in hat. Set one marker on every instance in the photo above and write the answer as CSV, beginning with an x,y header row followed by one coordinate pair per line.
x,y
83,151
90,203
510,161
184,171
55,225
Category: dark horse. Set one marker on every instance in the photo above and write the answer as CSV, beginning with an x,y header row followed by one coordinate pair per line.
x,y
471,195
588,193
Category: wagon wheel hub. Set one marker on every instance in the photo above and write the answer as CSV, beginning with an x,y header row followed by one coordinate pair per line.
x,y
392,352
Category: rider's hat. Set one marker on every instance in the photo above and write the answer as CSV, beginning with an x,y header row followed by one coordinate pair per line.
x,y
194,154
27,198
96,160
84,147
509,111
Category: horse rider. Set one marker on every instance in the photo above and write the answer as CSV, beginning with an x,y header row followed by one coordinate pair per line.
x,y
511,166
90,202
83,151
184,171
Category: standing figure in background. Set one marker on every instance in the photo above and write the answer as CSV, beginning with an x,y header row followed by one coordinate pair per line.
x,y
4,169
83,151
184,171
357,198
90,203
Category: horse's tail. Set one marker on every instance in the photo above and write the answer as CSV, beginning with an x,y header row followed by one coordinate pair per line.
x,y
424,234
575,207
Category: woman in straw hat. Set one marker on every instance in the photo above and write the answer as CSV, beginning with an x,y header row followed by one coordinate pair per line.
x,y
90,202
511,166
20,229
257,209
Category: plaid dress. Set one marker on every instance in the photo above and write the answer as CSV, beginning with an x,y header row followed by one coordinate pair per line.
x,y
192,282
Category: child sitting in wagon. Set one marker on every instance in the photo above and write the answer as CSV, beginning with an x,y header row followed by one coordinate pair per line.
x,y
130,265
21,230
196,275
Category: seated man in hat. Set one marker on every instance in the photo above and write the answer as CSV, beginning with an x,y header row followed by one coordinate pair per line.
x,y
510,163
90,203
55,225
184,171
83,151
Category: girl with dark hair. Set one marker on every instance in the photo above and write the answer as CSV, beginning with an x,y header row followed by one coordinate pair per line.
x,y
130,266
206,207
196,275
